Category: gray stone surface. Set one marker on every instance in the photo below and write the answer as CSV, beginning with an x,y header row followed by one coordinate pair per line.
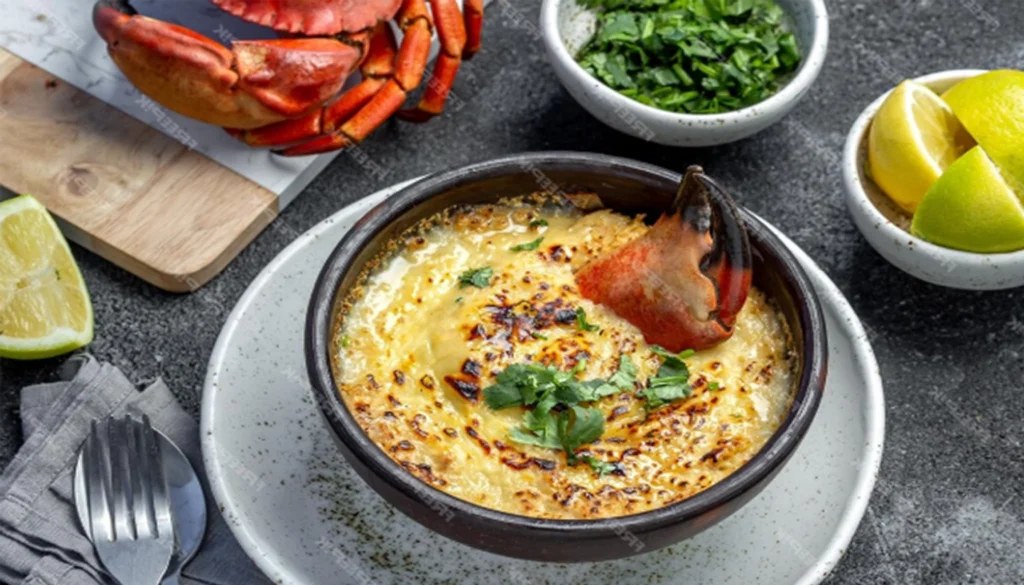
x,y
950,505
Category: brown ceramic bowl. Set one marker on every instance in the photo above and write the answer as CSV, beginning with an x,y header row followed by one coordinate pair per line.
x,y
623,185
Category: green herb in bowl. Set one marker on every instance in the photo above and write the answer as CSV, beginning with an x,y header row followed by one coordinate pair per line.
x,y
691,56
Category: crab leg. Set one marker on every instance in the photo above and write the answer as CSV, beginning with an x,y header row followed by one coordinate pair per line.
x,y
377,68
390,72
451,31
474,15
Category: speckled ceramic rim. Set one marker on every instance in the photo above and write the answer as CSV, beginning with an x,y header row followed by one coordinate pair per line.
x,y
859,202
874,421
796,87
761,467
263,552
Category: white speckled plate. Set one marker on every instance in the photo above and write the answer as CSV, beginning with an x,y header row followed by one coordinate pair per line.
x,y
306,519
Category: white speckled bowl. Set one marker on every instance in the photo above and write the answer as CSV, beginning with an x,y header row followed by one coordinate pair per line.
x,y
887,228
566,27
304,516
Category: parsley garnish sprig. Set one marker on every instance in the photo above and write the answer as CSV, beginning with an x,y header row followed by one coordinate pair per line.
x,y
601,467
581,321
672,382
557,417
478,277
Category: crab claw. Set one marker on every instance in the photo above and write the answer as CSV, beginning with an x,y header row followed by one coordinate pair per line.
x,y
252,84
682,283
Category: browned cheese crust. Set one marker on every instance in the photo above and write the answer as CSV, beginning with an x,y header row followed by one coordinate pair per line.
x,y
414,350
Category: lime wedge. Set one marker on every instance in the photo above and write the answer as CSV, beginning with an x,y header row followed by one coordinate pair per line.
x,y
991,107
972,208
44,305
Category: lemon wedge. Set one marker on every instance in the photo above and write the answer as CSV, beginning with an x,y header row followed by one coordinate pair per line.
x,y
972,208
991,108
913,139
44,305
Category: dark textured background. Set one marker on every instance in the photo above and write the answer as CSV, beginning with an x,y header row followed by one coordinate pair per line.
x,y
950,504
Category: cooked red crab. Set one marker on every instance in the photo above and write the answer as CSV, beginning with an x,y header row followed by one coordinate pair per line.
x,y
683,282
287,92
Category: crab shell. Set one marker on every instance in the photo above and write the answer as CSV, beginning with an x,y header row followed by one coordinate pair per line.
x,y
313,17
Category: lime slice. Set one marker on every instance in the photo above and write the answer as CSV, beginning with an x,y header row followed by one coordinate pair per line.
x,y
913,139
991,107
44,305
971,207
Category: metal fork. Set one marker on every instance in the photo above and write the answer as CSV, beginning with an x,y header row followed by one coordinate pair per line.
x,y
129,511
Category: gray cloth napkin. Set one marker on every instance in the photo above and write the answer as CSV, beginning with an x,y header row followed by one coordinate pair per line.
x,y
41,542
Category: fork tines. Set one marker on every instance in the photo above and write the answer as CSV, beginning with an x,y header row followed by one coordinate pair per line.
x,y
125,483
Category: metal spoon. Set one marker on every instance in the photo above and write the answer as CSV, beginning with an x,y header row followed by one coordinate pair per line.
x,y
188,506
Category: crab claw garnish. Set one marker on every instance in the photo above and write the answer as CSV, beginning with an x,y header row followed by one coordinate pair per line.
x,y
684,281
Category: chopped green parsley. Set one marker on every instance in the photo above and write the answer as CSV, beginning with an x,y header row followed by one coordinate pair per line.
x,y
478,277
672,382
601,467
527,247
581,321
691,56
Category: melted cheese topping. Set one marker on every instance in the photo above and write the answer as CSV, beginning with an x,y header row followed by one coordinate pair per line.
x,y
414,351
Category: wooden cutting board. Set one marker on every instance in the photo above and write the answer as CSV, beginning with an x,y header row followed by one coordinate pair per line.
x,y
118,187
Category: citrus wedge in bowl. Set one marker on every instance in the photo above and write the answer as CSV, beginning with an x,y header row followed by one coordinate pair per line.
x,y
991,108
44,305
972,208
914,137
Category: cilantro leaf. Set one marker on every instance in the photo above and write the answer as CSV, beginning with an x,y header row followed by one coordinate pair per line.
x,y
601,467
527,247
540,426
668,355
622,380
503,395
478,277
660,395
578,426
600,389
581,321
545,440
573,392
533,381
540,419
581,365
673,364
539,223
672,382
626,376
